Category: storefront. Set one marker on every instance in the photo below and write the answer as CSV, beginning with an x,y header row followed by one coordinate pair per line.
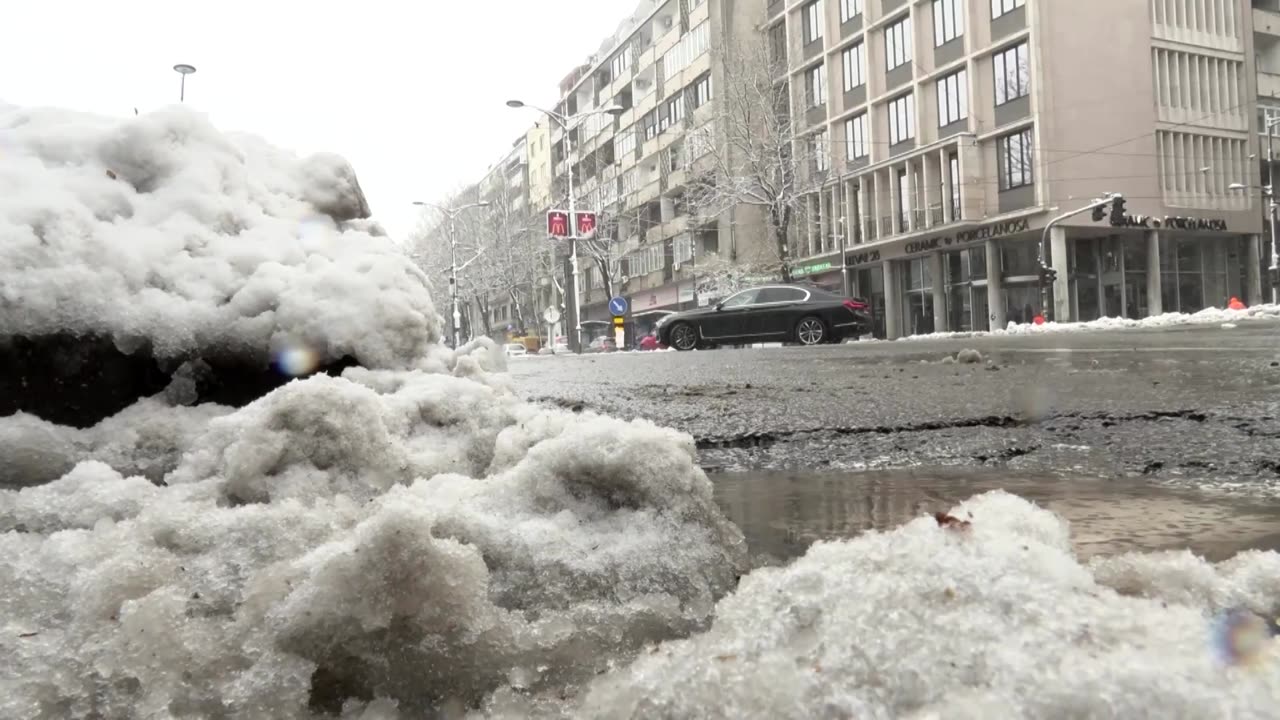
x,y
978,277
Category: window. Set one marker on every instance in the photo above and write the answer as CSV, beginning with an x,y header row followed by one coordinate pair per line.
x,y
621,63
778,43
682,248
650,124
1015,151
698,143
781,295
855,71
625,143
702,91
672,112
1000,7
948,21
746,297
1011,76
953,175
816,85
897,43
689,48
812,16
818,150
902,119
850,9
855,137
953,98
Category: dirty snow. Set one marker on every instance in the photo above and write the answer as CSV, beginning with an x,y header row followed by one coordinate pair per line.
x,y
1208,316
997,619
159,230
412,540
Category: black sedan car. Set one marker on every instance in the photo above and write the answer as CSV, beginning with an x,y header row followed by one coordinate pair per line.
x,y
772,313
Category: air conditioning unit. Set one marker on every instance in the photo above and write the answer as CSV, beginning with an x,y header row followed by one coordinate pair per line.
x,y
675,267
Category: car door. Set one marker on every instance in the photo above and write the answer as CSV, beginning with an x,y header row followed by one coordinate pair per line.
x,y
728,320
775,313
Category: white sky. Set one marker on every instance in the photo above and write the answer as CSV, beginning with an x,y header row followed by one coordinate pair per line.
x,y
411,92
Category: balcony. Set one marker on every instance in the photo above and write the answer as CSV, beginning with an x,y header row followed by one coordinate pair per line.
x,y
1266,18
1268,84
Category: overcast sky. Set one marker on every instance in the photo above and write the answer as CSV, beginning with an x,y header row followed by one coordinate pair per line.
x,y
411,92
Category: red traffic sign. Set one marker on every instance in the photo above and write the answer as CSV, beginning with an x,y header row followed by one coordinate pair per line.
x,y
586,224
558,223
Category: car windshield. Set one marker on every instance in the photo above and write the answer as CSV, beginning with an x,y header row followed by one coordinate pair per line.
x,y
630,359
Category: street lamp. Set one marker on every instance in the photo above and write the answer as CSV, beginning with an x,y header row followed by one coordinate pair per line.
x,y
567,123
452,215
184,70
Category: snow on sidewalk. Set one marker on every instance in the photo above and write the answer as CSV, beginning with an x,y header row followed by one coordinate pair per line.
x,y
1208,316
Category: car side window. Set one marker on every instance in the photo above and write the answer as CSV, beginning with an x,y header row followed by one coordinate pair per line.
x,y
780,295
746,297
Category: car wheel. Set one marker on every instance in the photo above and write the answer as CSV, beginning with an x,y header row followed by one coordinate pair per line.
x,y
684,337
811,331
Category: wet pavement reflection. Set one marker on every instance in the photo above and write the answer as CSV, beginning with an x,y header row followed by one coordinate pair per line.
x,y
782,513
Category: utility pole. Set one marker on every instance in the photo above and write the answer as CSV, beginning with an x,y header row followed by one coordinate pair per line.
x,y
1273,272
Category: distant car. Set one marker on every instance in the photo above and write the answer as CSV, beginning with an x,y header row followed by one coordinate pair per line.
x,y
604,344
516,350
772,313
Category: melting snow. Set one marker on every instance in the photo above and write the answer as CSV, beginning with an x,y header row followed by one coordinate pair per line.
x,y
412,539
1209,316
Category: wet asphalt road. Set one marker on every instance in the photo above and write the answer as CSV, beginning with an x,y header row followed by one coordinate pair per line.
x,y
1194,406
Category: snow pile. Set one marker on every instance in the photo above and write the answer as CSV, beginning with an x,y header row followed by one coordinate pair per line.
x,y
1208,316
332,541
989,617
160,232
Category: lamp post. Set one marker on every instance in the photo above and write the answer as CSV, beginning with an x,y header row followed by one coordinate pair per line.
x,y
568,123
184,70
451,214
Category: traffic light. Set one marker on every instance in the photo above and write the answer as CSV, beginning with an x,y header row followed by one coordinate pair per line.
x,y
1047,275
1117,210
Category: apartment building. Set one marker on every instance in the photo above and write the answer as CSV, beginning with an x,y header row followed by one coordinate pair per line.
x,y
660,67
946,134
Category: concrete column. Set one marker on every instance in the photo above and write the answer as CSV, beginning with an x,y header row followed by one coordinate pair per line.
x,y
946,187
939,293
892,302
892,198
927,192
1155,285
995,288
1253,271
864,217
824,223
1059,260
839,215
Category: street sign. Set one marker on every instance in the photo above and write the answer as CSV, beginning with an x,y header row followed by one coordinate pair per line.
x,y
586,224
618,306
551,315
619,321
558,223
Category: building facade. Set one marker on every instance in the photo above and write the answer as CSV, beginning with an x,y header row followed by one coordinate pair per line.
x,y
958,128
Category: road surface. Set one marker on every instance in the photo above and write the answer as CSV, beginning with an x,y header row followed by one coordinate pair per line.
x,y
1192,406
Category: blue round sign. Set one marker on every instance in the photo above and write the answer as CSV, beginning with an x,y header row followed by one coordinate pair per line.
x,y
618,306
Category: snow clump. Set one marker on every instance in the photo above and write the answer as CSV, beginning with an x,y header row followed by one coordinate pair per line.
x,y
986,615
408,536
161,232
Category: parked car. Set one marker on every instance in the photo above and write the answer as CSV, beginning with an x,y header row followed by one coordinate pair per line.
x,y
773,313
516,350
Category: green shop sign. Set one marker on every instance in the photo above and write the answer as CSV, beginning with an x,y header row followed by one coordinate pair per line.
x,y
811,269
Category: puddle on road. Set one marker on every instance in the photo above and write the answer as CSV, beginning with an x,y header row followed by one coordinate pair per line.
x,y
782,513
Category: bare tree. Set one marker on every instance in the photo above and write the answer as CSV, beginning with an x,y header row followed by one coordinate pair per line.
x,y
753,157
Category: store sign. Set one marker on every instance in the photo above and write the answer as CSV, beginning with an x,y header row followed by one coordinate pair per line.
x,y
866,257
686,293
811,269
965,237
1173,222
650,299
